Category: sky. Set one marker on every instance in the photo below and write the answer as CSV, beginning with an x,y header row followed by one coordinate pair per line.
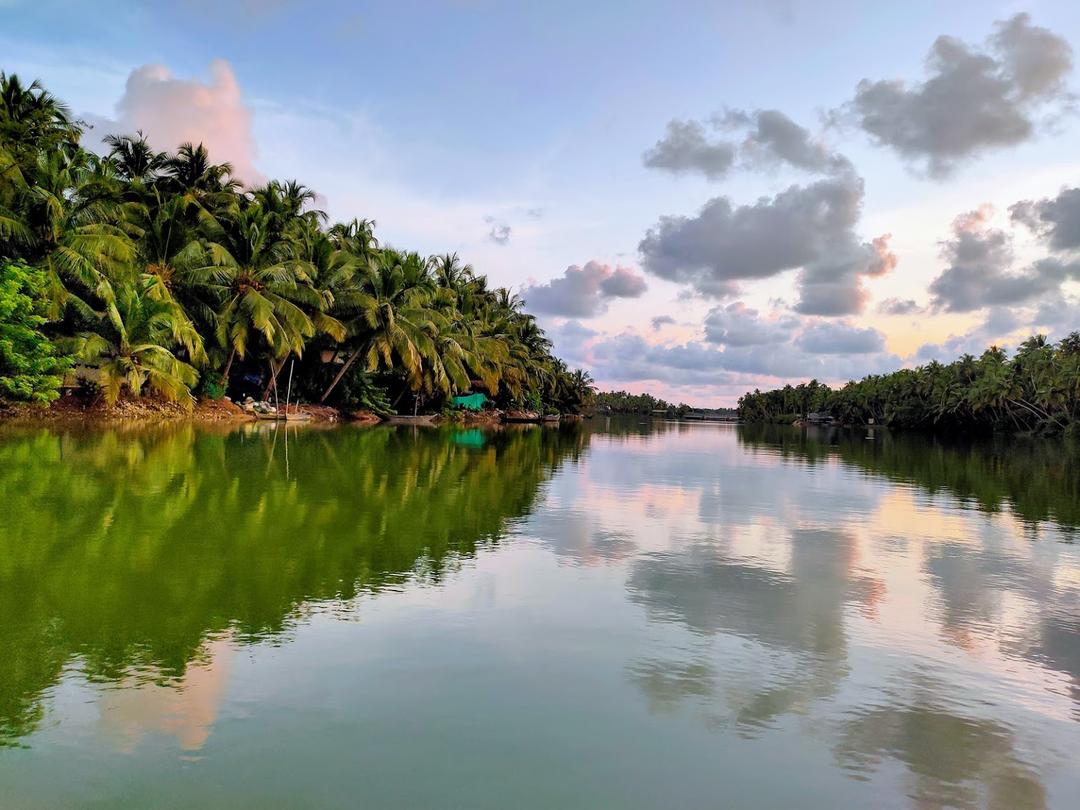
x,y
695,198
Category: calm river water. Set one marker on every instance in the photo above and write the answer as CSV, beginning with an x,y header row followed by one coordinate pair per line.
x,y
614,614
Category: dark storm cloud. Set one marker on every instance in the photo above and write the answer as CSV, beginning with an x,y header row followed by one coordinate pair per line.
x,y
839,338
1056,221
685,147
980,269
582,292
972,100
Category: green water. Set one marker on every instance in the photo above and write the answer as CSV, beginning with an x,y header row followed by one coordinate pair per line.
x,y
613,614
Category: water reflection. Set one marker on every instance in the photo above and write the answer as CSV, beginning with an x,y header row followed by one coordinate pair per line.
x,y
1037,480
187,710
795,615
124,551
954,760
987,591
883,620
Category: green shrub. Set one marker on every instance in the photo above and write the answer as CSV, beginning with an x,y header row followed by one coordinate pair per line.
x,y
211,387
31,367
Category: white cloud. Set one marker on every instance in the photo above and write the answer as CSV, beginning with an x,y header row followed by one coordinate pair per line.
x,y
172,111
973,100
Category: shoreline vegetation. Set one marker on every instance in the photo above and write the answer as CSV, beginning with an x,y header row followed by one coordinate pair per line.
x,y
1037,390
147,283
623,402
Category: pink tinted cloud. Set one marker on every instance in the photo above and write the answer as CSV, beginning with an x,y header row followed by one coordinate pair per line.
x,y
172,111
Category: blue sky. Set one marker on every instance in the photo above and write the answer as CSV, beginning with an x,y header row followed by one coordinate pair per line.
x,y
514,133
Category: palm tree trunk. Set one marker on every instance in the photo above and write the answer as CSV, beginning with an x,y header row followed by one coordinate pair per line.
x,y
340,374
228,367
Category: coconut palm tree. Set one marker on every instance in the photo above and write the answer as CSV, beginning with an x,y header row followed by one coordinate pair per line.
x,y
262,289
131,346
74,230
390,322
450,273
134,159
32,121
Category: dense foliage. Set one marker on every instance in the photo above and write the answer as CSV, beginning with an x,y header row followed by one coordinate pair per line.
x,y
1036,389
160,273
624,402
30,367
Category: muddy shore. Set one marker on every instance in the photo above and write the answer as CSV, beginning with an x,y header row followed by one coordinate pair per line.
x,y
146,409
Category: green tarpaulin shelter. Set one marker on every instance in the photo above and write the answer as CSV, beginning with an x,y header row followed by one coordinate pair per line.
x,y
471,402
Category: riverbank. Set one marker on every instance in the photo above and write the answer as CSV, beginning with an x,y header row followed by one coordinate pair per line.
x,y
149,409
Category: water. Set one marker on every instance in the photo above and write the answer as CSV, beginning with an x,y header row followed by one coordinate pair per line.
x,y
608,615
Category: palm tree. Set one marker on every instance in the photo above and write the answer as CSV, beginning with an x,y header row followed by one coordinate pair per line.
x,y
262,289
134,159
390,322
129,345
73,229
32,121
451,274
583,387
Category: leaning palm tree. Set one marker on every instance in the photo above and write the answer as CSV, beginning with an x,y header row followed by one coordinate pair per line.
x,y
390,322
130,346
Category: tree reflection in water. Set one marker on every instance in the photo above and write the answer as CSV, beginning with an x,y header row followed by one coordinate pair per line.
x,y
124,551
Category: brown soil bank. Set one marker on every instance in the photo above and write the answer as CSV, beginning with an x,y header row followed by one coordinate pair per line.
x,y
71,408
75,409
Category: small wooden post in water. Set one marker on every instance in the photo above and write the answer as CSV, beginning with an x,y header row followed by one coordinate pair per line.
x,y
288,389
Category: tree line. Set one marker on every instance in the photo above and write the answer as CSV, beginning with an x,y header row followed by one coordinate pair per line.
x,y
1035,389
163,274
625,402
1037,478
